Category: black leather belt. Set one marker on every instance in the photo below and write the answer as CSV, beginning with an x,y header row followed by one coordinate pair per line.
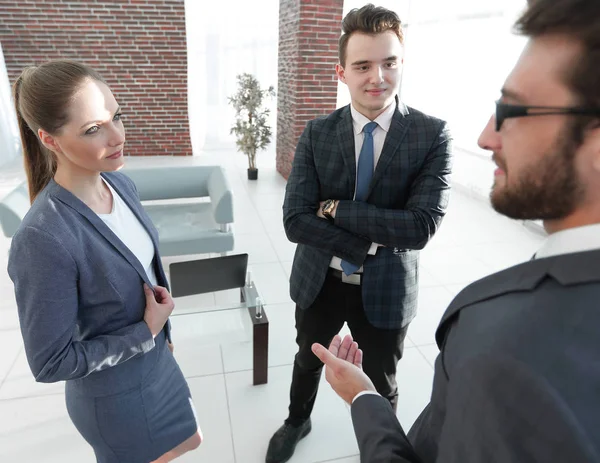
x,y
354,279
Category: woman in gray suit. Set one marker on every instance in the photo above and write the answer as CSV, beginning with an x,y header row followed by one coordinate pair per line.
x,y
90,288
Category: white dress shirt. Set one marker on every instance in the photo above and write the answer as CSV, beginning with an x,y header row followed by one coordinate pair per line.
x,y
384,121
123,223
579,239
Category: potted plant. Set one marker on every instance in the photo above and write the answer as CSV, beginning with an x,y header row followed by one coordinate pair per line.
x,y
251,128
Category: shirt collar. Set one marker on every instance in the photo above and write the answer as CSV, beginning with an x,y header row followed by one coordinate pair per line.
x,y
579,239
384,120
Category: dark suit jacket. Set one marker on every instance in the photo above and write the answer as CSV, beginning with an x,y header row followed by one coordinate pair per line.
x,y
79,289
405,205
518,376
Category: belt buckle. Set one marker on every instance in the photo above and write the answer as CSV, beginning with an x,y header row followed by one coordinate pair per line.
x,y
353,279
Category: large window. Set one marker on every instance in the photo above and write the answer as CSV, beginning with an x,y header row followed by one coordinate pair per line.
x,y
10,145
458,55
225,39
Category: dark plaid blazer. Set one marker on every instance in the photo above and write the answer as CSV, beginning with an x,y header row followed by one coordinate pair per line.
x,y
405,205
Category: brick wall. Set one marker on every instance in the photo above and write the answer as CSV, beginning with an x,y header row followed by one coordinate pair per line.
x,y
309,31
139,47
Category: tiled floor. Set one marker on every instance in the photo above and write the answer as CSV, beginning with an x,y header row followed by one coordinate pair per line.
x,y
215,352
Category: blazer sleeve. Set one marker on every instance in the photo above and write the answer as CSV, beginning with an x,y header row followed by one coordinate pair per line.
x,y
497,409
380,437
300,220
45,278
413,226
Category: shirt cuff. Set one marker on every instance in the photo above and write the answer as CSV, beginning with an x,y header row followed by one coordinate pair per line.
x,y
364,393
373,249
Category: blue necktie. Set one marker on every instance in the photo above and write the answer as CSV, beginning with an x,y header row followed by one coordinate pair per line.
x,y
364,173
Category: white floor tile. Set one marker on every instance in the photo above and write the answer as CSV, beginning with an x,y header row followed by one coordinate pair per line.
x,y
212,328
432,305
272,283
446,256
426,279
272,220
20,382
11,344
258,247
258,411
284,248
455,289
196,359
210,399
414,377
8,306
269,201
270,182
430,352
38,429
287,267
465,270
247,222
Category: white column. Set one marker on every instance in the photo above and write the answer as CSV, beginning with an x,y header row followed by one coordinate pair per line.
x,y
10,143
195,25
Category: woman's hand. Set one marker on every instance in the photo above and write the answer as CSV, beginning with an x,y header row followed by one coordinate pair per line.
x,y
159,305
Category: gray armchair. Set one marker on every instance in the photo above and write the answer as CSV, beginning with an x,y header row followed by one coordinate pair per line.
x,y
187,227
13,208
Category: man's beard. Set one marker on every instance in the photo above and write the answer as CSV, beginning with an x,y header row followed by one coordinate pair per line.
x,y
547,191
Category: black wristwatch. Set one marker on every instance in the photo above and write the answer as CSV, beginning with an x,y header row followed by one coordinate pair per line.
x,y
327,209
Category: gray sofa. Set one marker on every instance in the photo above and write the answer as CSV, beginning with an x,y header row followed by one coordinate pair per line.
x,y
191,206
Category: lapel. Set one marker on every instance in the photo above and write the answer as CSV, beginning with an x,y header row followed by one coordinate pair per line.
x,y
566,269
393,140
138,210
96,222
345,136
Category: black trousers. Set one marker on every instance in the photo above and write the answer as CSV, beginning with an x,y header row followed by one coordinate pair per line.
x,y
340,302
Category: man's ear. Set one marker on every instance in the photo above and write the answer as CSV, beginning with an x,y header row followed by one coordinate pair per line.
x,y
49,141
341,72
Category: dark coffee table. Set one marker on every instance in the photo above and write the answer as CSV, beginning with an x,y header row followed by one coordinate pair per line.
x,y
226,273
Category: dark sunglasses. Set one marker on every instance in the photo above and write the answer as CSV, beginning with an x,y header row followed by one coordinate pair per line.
x,y
506,111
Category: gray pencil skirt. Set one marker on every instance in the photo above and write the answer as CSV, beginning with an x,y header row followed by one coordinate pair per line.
x,y
136,411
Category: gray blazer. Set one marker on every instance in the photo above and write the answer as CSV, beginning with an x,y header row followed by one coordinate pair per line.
x,y
517,378
79,289
404,208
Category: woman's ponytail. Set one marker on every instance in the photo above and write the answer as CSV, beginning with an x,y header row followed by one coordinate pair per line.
x,y
40,164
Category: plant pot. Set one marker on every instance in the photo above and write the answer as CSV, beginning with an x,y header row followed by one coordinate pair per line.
x,y
252,174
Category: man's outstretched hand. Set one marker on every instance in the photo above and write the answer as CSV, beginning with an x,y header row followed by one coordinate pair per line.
x,y
343,367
